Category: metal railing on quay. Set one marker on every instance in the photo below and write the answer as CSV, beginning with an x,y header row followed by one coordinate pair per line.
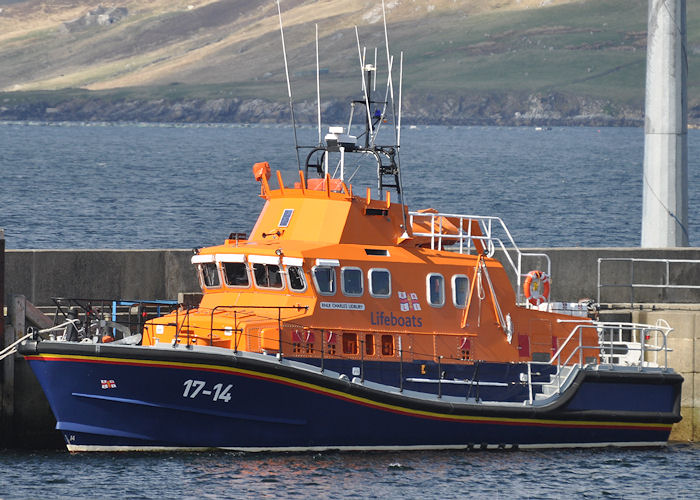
x,y
632,284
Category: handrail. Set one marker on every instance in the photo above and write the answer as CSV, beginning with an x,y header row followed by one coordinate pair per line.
x,y
632,285
488,239
236,329
606,347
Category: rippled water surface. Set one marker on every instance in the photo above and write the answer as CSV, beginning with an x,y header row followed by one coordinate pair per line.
x,y
672,472
164,186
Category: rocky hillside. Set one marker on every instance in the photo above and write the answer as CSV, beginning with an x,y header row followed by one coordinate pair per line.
x,y
517,62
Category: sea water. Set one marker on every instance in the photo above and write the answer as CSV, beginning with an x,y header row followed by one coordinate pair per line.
x,y
174,186
672,472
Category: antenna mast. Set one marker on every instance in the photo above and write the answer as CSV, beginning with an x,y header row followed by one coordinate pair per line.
x,y
318,91
289,87
399,183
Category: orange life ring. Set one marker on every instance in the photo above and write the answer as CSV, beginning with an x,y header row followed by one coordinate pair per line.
x,y
536,287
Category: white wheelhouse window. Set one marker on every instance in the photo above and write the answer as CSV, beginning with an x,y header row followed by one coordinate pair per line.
x,y
379,283
324,279
435,289
460,289
268,276
207,270
296,278
351,281
209,274
236,274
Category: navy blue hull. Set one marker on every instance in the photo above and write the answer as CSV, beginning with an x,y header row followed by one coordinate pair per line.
x,y
118,397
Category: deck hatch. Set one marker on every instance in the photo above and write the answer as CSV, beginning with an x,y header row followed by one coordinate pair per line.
x,y
377,251
376,211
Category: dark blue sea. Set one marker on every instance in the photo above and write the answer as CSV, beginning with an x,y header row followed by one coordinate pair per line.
x,y
672,472
173,186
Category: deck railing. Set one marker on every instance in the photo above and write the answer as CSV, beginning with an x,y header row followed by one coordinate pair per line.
x,y
615,343
239,312
455,232
665,278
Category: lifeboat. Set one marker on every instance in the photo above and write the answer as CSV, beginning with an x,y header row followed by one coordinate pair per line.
x,y
344,320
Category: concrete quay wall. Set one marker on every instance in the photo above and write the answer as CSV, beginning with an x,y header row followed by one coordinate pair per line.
x,y
99,274
162,274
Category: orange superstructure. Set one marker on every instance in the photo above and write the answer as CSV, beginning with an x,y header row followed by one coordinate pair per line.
x,y
327,272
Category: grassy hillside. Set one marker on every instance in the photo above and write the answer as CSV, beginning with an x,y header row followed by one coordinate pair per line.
x,y
508,50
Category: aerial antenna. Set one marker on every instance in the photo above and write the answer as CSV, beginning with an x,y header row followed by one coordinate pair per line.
x,y
364,86
393,116
386,100
398,125
374,84
289,87
318,90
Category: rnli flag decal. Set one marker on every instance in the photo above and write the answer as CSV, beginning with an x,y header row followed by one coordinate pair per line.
x,y
408,301
108,384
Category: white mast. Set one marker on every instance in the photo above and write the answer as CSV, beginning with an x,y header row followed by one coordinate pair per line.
x,y
665,190
318,91
289,86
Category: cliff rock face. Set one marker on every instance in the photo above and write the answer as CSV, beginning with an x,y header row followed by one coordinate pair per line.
x,y
493,109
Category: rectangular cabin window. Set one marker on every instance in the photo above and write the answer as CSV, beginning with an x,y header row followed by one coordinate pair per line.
x,y
387,345
210,274
379,282
297,282
351,281
460,287
369,344
267,276
350,343
435,284
324,278
236,274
